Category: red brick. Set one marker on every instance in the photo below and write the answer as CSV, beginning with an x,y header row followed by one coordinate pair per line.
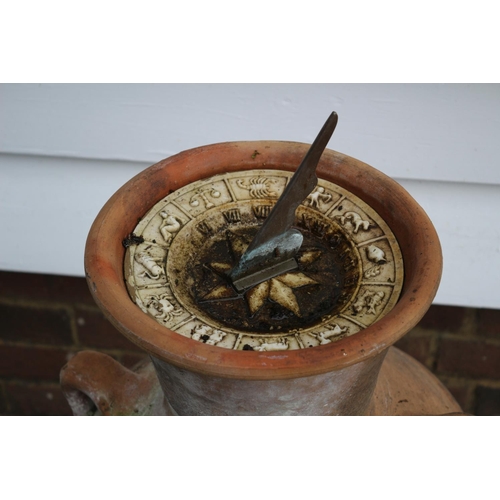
x,y
489,322
46,287
443,318
37,325
469,358
418,346
95,331
39,399
487,401
3,401
32,363
131,360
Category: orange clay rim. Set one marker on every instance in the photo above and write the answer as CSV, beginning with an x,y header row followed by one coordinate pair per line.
x,y
104,256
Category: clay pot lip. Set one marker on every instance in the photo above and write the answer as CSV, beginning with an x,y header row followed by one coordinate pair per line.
x,y
104,256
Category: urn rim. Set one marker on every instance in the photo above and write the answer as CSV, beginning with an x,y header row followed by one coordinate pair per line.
x,y
104,256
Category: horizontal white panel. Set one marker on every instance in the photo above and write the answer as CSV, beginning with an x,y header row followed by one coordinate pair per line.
x,y
47,206
444,132
466,219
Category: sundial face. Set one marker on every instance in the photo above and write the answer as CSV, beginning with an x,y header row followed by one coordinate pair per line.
x,y
349,275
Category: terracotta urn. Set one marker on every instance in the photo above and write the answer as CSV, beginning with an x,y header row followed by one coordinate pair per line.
x,y
359,374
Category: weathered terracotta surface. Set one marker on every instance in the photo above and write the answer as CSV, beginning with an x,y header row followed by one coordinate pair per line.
x,y
342,392
406,387
403,387
352,362
96,384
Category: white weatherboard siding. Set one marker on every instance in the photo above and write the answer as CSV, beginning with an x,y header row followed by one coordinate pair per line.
x,y
65,149
464,217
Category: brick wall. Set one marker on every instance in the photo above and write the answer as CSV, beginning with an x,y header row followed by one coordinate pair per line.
x,y
44,320
461,346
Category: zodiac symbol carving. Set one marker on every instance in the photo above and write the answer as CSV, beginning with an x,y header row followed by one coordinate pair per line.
x,y
161,307
259,187
372,272
281,345
325,337
317,196
369,300
355,220
202,195
208,335
152,269
375,254
169,226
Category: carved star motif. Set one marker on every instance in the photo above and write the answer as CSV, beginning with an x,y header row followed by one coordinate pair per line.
x,y
279,289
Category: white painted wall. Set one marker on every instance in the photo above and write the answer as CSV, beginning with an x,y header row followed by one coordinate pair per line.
x,y
64,150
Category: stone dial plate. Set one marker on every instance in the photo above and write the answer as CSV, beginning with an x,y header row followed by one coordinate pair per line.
x,y
350,266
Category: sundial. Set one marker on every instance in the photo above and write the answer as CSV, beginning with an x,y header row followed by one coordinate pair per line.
x,y
262,278
264,259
